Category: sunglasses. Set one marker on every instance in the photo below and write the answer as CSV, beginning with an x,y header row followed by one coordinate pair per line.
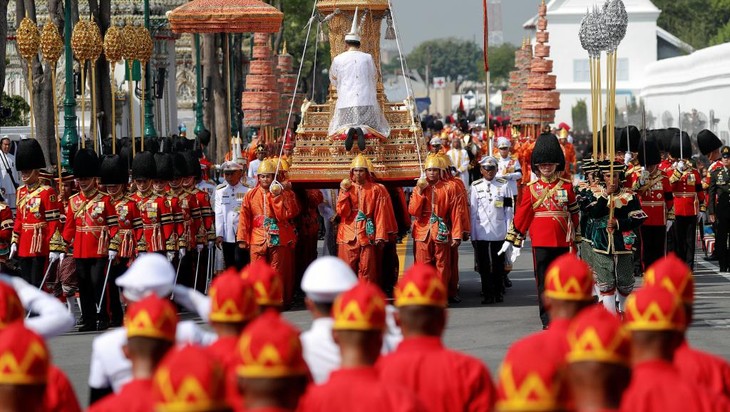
x,y
489,168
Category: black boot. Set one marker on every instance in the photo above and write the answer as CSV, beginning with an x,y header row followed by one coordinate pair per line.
x,y
360,139
349,139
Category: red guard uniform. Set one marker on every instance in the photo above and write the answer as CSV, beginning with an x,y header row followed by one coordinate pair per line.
x,y
37,230
689,200
206,229
130,225
60,395
91,225
6,228
135,396
158,226
657,201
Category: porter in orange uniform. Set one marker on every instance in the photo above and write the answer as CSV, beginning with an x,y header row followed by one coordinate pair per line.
x,y
461,206
359,316
444,380
365,220
707,370
548,209
657,320
264,226
437,226
37,232
91,229
151,325
272,374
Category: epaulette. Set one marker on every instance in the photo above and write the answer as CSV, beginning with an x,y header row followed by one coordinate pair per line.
x,y
221,186
476,181
565,180
501,180
532,182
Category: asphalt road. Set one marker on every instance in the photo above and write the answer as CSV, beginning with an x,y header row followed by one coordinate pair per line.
x,y
484,331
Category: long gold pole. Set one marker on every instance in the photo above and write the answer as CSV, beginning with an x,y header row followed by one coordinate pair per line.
x,y
114,109
130,94
141,105
594,107
93,106
83,104
55,119
602,136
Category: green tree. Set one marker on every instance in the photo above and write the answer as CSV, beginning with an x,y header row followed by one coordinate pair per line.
x,y
19,110
580,116
501,62
700,23
451,57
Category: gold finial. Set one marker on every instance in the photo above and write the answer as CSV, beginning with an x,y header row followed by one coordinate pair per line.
x,y
283,51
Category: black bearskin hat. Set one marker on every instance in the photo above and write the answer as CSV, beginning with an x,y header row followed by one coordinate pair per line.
x,y
163,166
686,148
708,142
649,154
179,166
143,166
193,165
629,139
547,150
113,170
86,164
204,137
29,155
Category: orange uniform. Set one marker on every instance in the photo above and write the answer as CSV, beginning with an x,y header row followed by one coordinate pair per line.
x,y
60,395
462,211
265,225
437,222
366,217
224,350
135,396
708,371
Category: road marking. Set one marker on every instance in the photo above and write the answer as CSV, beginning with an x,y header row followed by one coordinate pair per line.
x,y
713,268
719,323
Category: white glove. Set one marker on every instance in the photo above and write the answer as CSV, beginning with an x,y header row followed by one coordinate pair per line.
x,y
515,253
702,216
669,224
210,245
681,166
199,247
112,254
170,256
53,256
13,250
61,258
182,252
627,158
506,247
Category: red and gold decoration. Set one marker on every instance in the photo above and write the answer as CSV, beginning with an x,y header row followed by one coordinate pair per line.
x,y
261,101
267,284
672,274
596,335
360,308
52,48
24,357
569,278
232,299
270,348
114,53
189,380
652,308
421,286
151,317
28,40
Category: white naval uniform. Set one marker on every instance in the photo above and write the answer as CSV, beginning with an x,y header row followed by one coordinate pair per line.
x,y
227,207
208,187
7,164
320,350
109,367
510,170
460,160
489,216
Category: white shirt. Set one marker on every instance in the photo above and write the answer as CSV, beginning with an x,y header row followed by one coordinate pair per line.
x,y
253,169
227,207
109,367
7,162
489,216
320,350
510,170
354,75
460,160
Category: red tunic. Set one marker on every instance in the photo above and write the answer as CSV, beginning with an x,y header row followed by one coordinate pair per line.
x,y
157,223
704,369
135,396
37,230
91,225
130,225
689,198
206,230
656,197
656,385
224,349
189,221
6,227
358,390
444,380
549,211
60,395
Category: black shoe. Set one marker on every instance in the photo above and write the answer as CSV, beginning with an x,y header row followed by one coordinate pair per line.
x,y
360,139
711,258
115,323
499,299
80,322
87,328
349,139
102,325
507,282
488,300
455,299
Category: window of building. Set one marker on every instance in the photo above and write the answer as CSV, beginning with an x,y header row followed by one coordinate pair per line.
x,y
622,69
581,70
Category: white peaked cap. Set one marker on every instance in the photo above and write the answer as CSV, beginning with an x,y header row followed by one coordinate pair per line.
x,y
326,278
436,141
151,273
354,34
503,142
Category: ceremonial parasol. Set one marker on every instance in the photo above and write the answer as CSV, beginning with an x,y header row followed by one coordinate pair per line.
x,y
226,16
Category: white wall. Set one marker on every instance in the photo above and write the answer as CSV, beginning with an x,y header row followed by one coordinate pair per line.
x,y
699,81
